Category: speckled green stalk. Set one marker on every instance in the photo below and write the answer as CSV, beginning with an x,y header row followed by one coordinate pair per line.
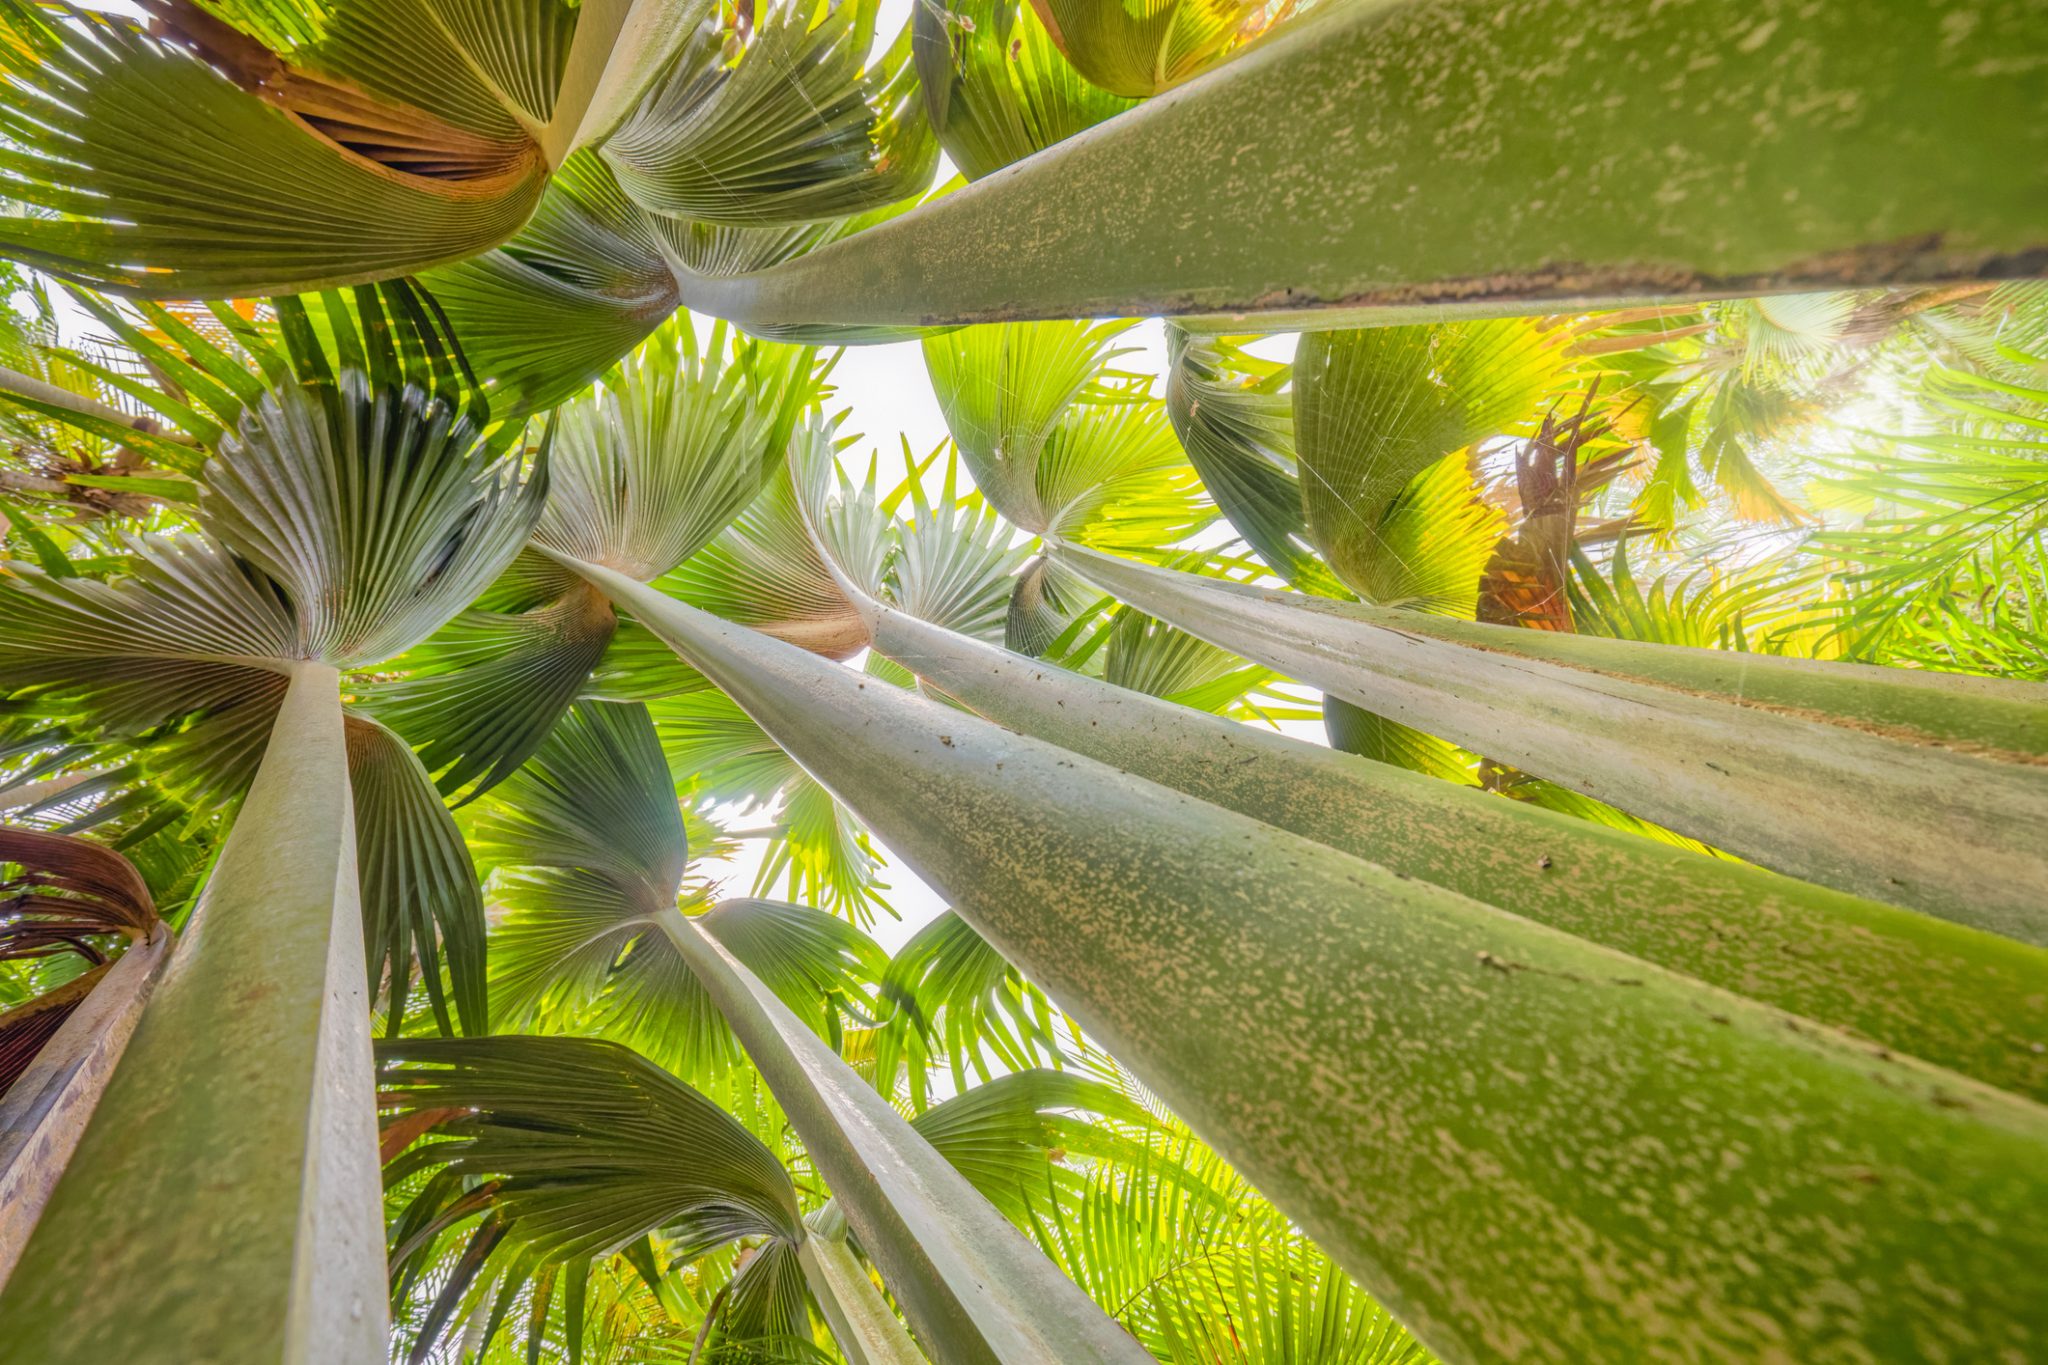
x,y
974,1290
1530,1147
867,1331
1414,159
1914,788
1978,1002
224,1206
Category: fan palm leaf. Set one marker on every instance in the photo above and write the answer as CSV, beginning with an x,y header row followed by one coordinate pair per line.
x,y
589,853
996,85
345,513
647,468
1378,410
1141,50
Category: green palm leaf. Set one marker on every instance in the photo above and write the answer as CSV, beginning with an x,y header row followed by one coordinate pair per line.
x,y
588,1146
419,892
589,853
481,694
351,188
1141,49
380,513
1011,1136
183,652
1003,389
1376,410
954,563
1237,426
953,994
645,469
790,130
996,86
1061,445
583,282
658,458
768,568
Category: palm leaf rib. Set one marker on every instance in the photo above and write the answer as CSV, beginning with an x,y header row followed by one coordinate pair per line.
x,y
1119,879
1803,738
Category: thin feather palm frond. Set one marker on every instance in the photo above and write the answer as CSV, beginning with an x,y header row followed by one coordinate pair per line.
x,y
1955,523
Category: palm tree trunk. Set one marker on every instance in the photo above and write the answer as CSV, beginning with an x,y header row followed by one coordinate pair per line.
x,y
1916,789
224,1203
1433,1088
1977,1006
867,1331
970,1284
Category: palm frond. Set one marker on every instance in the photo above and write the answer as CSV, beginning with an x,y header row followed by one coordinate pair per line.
x,y
1003,389
996,86
1013,1136
583,1145
478,696
951,993
790,129
288,180
1138,51
1376,410
419,892
656,460
1235,419
180,654
955,565
769,571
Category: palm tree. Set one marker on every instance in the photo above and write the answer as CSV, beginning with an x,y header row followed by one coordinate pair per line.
x,y
1090,479
308,571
